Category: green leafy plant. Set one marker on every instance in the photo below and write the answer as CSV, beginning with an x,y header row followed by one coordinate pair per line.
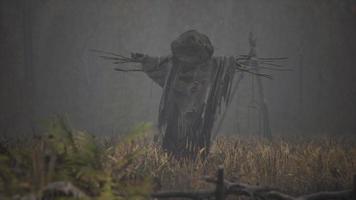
x,y
61,155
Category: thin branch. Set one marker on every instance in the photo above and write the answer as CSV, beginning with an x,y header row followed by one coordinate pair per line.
x,y
241,67
110,58
265,192
128,70
119,59
279,196
280,58
272,64
266,58
271,68
346,194
110,53
191,195
272,193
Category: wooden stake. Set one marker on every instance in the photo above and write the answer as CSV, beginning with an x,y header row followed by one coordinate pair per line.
x,y
220,187
354,188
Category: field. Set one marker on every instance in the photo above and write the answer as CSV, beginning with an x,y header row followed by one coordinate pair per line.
x,y
133,166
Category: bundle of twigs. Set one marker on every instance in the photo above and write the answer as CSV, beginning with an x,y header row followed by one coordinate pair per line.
x,y
120,59
253,65
243,63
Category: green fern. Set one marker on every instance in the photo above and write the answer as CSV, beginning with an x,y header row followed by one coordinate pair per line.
x,y
65,154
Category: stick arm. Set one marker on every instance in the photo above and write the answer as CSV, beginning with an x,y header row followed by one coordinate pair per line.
x,y
156,68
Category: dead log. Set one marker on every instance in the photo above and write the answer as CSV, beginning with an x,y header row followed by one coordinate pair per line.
x,y
224,188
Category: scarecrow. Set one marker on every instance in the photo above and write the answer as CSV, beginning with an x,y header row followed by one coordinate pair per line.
x,y
196,87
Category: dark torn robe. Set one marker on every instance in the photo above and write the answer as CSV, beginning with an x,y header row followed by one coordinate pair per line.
x,y
193,95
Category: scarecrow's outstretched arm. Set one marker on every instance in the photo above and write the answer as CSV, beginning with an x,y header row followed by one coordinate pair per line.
x,y
254,65
155,67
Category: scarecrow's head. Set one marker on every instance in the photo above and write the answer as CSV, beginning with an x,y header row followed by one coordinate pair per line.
x,y
192,47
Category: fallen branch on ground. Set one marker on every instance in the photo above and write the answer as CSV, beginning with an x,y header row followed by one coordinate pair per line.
x,y
225,188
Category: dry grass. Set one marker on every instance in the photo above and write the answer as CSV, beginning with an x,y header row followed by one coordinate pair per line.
x,y
293,164
133,166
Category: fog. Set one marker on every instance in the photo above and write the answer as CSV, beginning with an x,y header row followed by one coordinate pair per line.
x,y
47,67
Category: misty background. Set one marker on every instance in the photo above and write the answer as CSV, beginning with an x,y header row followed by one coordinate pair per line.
x,y
47,67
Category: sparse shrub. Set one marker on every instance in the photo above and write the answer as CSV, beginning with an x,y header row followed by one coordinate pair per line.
x,y
29,166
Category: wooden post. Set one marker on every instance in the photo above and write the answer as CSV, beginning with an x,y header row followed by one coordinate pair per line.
x,y
354,188
264,126
301,82
301,92
220,187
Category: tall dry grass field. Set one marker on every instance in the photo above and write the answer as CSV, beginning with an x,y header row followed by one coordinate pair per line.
x,y
296,165
133,166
